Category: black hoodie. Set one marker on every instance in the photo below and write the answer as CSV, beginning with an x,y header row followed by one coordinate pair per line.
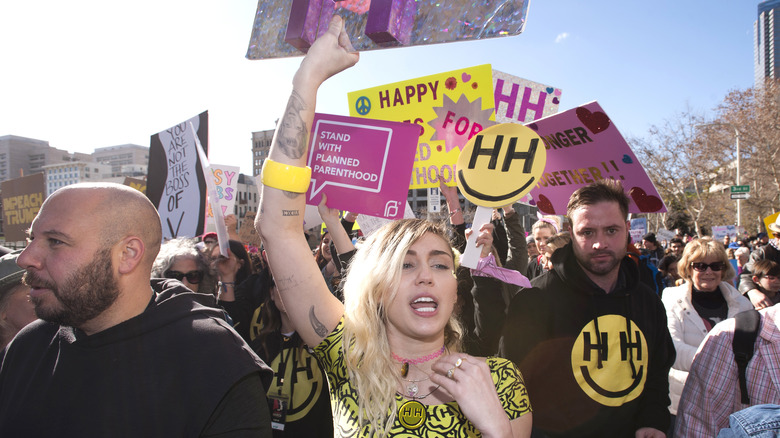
x,y
161,373
586,374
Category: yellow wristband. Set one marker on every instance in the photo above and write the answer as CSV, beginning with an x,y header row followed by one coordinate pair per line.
x,y
286,177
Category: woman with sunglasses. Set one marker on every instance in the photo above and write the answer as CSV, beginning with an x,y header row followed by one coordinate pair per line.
x,y
180,259
693,308
232,270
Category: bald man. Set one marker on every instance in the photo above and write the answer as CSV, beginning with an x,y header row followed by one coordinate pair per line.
x,y
114,355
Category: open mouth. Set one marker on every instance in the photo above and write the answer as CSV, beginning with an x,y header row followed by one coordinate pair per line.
x,y
424,305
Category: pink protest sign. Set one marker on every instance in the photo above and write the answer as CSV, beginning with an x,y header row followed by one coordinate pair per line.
x,y
362,165
583,146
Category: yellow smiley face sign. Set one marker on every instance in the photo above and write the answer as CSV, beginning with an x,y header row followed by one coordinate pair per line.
x,y
500,165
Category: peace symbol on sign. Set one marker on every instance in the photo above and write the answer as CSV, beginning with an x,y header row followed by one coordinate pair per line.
x,y
363,105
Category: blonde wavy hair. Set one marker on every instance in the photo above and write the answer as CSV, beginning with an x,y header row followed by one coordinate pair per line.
x,y
700,249
372,284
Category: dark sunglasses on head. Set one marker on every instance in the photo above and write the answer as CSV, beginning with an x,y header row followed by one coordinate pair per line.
x,y
193,277
701,267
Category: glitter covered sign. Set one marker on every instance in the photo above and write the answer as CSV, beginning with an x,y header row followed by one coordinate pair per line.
x,y
519,100
449,108
361,165
387,23
583,146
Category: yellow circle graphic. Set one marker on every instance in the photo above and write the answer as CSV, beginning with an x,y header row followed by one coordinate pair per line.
x,y
412,414
500,165
309,382
610,364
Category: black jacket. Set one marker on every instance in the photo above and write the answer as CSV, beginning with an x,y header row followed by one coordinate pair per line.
x,y
177,369
586,374
766,252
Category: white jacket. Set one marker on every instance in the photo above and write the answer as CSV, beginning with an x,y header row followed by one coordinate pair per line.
x,y
688,330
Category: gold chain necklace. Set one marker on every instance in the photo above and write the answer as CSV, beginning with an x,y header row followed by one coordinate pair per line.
x,y
412,389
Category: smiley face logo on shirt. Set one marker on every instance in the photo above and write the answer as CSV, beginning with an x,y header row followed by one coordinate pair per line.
x,y
609,360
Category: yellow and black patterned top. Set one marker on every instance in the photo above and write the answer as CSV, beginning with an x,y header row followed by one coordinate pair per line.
x,y
414,419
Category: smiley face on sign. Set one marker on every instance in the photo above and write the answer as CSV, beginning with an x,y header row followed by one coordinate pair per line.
x,y
500,165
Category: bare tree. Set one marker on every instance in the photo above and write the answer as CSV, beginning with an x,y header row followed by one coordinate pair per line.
x,y
687,168
755,112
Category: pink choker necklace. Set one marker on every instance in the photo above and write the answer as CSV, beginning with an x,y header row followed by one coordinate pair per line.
x,y
415,361
421,359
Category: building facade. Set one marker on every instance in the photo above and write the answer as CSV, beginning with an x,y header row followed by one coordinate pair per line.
x,y
766,42
247,198
261,145
64,174
21,156
122,155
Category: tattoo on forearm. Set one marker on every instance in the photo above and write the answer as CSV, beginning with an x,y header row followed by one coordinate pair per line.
x,y
318,327
284,283
292,136
291,213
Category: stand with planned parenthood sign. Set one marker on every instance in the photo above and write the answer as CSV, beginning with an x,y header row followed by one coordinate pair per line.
x,y
584,146
361,165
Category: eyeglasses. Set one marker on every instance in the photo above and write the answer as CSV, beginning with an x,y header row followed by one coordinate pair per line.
x,y
701,267
193,277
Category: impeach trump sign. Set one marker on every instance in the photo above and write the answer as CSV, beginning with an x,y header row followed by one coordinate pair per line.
x,y
22,198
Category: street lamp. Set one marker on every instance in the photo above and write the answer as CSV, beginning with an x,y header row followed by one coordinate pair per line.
x,y
736,134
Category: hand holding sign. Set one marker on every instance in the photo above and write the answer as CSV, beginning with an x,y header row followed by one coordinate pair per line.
x,y
497,167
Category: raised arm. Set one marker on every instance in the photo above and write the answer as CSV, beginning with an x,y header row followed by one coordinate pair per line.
x,y
517,258
330,216
312,308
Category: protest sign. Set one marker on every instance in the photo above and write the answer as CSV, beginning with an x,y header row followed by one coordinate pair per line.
x,y
640,224
247,231
138,184
384,24
636,236
584,146
226,185
769,220
721,231
638,229
498,166
311,217
362,165
450,108
22,199
519,100
664,235
369,224
213,198
176,185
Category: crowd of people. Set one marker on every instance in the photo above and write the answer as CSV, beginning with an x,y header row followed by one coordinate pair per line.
x,y
107,331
